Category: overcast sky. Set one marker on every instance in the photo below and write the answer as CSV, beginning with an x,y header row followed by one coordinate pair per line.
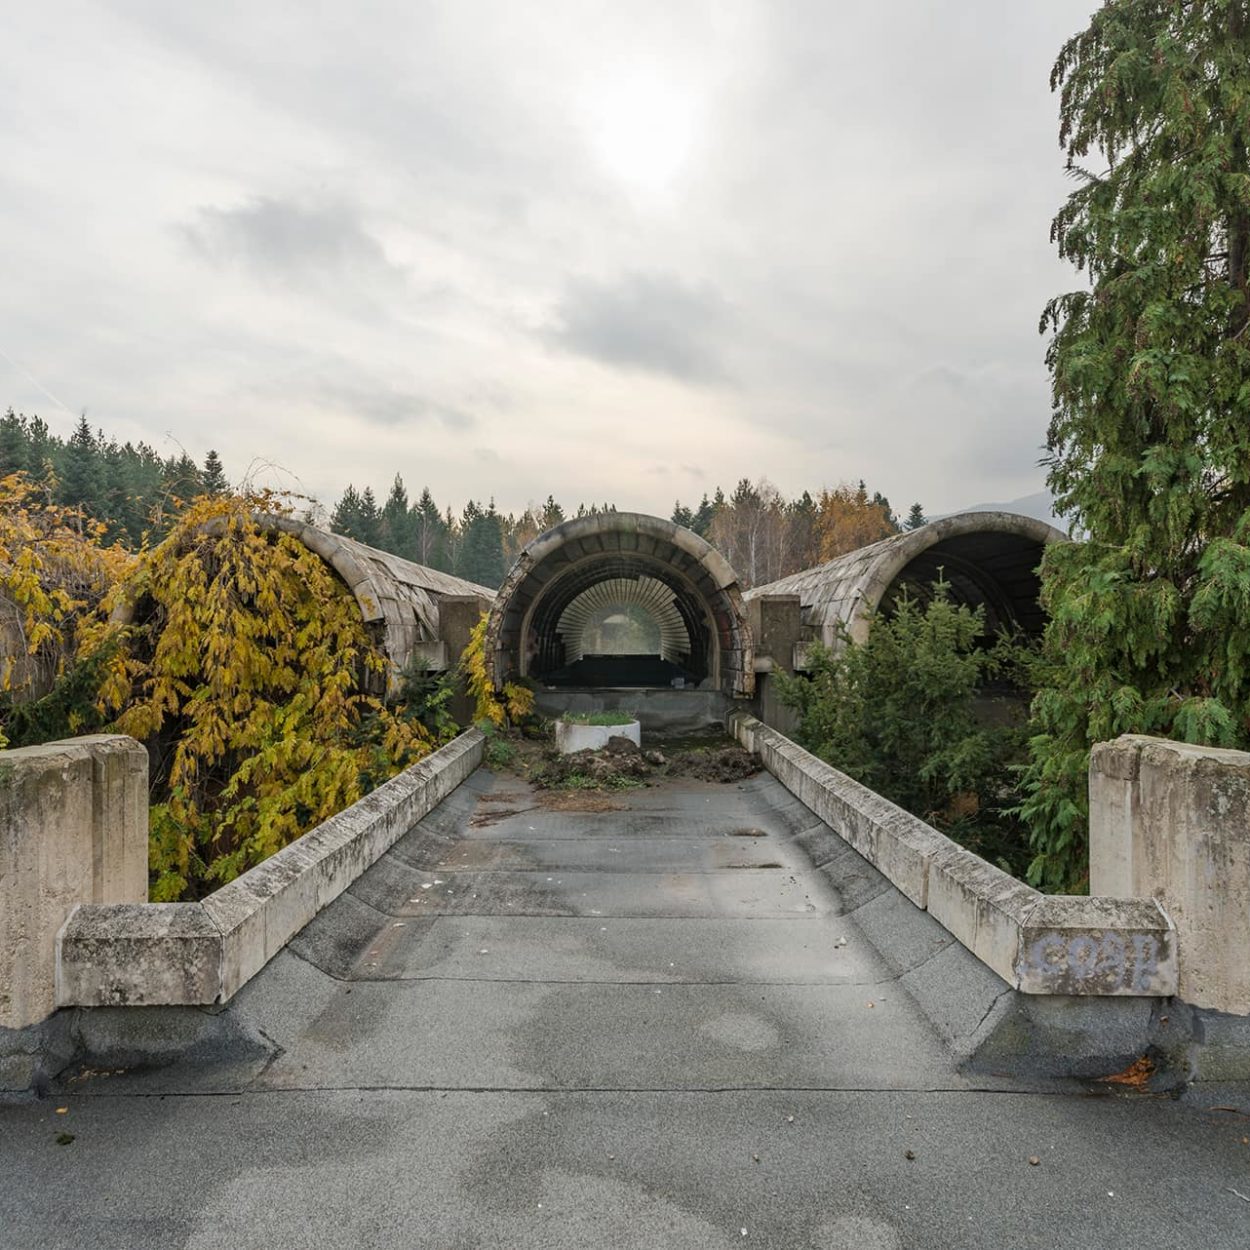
x,y
617,251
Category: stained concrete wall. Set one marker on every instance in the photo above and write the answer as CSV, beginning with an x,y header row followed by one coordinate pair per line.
x,y
1171,821
1038,944
73,830
157,954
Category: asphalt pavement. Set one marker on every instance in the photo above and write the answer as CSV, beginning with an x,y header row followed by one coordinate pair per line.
x,y
635,1019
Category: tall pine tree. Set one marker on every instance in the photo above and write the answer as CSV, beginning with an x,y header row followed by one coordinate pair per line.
x,y
82,483
1149,442
214,476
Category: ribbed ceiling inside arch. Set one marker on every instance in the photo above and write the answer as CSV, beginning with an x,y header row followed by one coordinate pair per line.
x,y
625,616
619,623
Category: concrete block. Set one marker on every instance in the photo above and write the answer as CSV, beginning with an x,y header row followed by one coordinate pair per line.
x,y
429,657
1171,821
139,954
119,817
73,830
1037,944
571,736
1105,946
189,953
982,906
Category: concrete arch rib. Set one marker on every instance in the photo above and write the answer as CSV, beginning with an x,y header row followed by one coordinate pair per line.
x,y
556,568
990,558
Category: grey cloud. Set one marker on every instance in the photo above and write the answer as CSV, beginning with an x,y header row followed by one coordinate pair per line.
x,y
982,409
652,322
288,243
373,402
825,242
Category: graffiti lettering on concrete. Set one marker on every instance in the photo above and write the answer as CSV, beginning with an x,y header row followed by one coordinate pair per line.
x,y
1098,962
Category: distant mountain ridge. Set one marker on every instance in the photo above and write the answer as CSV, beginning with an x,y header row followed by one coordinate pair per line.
x,y
1039,505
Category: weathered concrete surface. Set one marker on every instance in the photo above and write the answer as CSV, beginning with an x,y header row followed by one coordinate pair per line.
x,y
717,1045
579,553
73,829
1039,945
1171,821
571,736
988,558
660,711
202,953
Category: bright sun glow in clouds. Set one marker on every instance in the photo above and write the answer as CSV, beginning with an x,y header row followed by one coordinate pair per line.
x,y
642,127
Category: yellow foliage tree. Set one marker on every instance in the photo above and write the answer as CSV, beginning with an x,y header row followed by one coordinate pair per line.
x,y
514,702
244,667
847,520
54,573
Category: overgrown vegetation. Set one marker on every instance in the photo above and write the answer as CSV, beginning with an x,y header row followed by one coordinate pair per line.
x,y
497,709
900,714
1149,443
55,571
244,668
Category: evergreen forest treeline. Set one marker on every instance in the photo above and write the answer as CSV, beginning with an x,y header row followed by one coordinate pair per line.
x,y
137,494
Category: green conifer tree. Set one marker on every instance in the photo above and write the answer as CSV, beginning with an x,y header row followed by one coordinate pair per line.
x,y
345,519
397,530
14,444
81,483
213,475
430,536
1149,442
370,518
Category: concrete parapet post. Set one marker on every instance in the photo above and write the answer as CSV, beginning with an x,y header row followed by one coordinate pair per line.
x,y
73,829
458,616
777,626
1171,821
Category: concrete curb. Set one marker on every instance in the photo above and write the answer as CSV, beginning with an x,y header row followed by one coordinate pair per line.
x,y
1038,944
199,954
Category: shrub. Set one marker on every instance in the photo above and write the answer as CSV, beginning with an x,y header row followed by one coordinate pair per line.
x,y
899,714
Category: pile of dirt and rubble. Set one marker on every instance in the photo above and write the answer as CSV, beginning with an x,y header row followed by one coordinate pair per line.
x,y
622,764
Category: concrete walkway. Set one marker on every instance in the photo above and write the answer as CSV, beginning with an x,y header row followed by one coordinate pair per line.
x,y
648,1026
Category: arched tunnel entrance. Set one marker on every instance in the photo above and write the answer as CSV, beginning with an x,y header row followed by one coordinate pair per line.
x,y
989,560
994,570
622,601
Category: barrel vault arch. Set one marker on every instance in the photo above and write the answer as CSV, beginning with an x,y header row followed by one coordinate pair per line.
x,y
552,576
400,602
990,559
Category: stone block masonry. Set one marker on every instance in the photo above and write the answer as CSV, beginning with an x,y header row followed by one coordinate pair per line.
x,y
73,830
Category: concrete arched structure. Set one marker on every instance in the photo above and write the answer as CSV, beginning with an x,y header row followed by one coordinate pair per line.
x,y
523,638
989,558
401,602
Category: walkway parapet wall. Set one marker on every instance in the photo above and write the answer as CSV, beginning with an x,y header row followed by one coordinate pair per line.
x,y
1171,821
199,954
73,830
1038,944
